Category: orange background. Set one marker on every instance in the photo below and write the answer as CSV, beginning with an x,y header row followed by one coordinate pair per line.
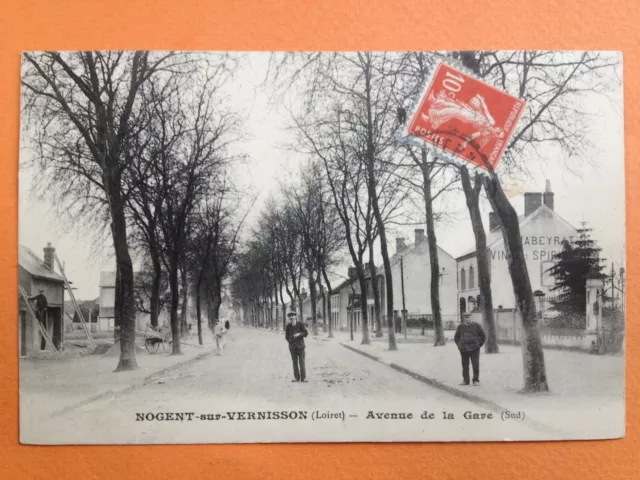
x,y
325,25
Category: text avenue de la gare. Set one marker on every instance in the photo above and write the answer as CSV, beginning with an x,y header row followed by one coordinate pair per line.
x,y
327,415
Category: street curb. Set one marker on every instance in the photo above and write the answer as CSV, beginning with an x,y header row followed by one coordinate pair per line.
x,y
145,381
488,404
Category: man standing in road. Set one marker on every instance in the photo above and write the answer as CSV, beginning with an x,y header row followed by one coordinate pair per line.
x,y
41,314
295,333
470,338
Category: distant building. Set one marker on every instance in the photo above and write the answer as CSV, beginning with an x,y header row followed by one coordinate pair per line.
x,y
415,262
306,307
542,231
346,303
107,302
36,274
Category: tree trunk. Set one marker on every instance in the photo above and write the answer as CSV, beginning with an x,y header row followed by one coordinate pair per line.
x,y
117,307
198,306
275,293
217,301
363,307
376,291
284,311
185,299
300,306
313,299
271,326
125,273
373,194
175,300
535,376
438,331
154,305
472,195
326,281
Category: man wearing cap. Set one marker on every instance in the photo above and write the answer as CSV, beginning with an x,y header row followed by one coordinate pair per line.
x,y
41,314
295,333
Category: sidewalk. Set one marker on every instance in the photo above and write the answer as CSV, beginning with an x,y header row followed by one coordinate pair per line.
x,y
52,387
587,391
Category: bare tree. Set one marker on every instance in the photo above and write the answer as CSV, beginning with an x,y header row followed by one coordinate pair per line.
x,y
188,169
436,177
552,84
83,108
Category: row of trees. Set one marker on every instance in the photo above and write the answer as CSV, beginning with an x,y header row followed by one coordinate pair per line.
x,y
297,241
139,142
346,116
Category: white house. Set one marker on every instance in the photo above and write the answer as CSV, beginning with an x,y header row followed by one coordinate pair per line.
x,y
542,231
414,262
107,301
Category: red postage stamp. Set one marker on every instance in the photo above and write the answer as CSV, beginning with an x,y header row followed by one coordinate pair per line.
x,y
466,118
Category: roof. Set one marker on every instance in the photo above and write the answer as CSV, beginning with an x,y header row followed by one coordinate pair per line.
x,y
35,266
408,249
348,281
495,236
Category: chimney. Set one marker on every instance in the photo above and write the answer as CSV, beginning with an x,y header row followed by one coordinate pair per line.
x,y
303,294
419,235
49,252
351,273
493,221
532,200
399,244
548,195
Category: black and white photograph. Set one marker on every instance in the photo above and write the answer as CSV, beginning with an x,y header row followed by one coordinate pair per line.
x,y
269,247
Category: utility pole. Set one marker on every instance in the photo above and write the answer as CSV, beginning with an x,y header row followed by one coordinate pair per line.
x,y
404,307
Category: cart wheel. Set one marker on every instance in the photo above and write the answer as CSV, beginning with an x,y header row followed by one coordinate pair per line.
x,y
151,345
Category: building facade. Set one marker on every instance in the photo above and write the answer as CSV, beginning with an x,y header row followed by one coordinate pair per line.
x,y
107,302
34,275
542,231
413,263
346,302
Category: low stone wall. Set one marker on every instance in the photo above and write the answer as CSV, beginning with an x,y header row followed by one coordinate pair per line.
x,y
509,325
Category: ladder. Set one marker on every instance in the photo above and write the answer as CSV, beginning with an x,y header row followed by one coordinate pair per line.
x,y
43,331
75,304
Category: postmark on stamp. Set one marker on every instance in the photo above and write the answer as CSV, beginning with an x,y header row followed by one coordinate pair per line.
x,y
464,117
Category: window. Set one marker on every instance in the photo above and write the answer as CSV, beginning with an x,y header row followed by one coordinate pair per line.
x,y
463,280
471,279
546,279
335,302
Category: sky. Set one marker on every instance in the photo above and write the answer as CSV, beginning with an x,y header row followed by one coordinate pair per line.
x,y
591,191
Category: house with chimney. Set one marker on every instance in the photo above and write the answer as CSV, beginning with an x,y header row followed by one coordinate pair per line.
x,y
35,274
411,271
542,231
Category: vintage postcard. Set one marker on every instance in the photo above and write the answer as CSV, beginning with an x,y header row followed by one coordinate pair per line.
x,y
242,247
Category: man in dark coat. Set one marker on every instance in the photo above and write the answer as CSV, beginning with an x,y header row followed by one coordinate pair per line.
x,y
41,314
295,333
469,338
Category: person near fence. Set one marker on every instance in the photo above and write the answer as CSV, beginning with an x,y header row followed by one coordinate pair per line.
x,y
41,306
469,338
294,334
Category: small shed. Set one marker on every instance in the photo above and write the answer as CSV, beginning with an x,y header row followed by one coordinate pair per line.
x,y
36,274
